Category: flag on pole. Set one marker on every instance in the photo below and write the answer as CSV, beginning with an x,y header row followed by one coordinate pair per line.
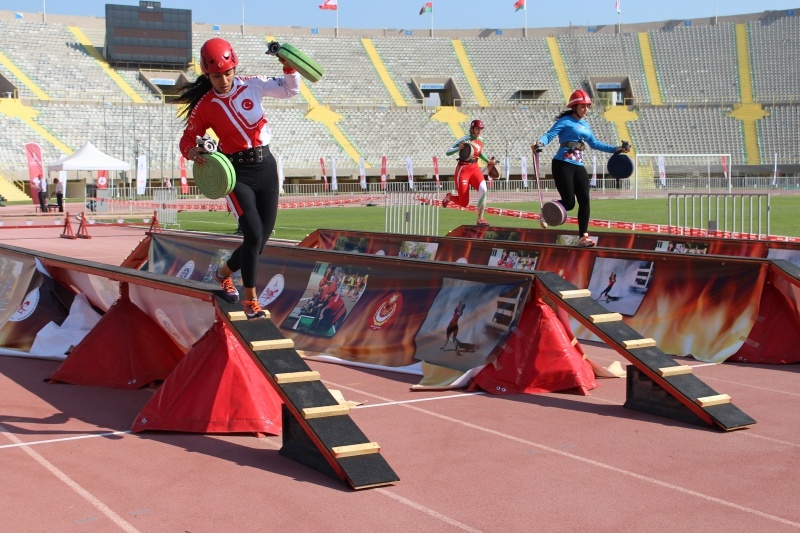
x,y
184,179
334,182
519,4
662,172
616,6
281,175
410,170
383,172
362,173
102,179
427,8
333,5
775,172
593,181
524,170
19,16
436,170
324,177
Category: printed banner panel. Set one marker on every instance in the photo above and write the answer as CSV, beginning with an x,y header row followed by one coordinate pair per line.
x,y
642,241
374,310
691,304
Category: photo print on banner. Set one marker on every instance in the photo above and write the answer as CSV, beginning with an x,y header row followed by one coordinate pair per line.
x,y
328,299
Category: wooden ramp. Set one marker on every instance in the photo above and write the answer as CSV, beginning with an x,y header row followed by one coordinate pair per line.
x,y
317,429
654,372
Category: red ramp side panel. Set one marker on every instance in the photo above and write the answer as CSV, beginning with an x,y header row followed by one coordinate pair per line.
x,y
216,388
125,350
538,358
776,334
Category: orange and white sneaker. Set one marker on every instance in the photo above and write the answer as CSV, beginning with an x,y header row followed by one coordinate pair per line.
x,y
447,199
586,241
482,222
229,292
253,310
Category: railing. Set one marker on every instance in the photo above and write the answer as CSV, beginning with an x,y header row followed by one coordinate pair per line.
x,y
718,214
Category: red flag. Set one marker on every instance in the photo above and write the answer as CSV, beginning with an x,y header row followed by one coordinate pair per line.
x,y
324,177
519,4
330,4
383,172
184,180
34,154
102,179
436,169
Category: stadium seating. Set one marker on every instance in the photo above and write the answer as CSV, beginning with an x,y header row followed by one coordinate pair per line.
x,y
73,98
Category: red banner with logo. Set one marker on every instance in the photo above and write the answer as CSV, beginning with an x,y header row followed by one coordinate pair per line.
x,y
102,179
383,172
35,168
184,179
436,169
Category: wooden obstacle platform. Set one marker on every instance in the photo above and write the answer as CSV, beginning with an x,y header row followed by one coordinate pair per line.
x,y
317,429
656,383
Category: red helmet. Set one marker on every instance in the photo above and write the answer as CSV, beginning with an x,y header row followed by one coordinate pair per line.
x,y
477,123
217,55
579,97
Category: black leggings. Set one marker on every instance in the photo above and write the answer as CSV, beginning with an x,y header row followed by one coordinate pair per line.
x,y
255,200
572,182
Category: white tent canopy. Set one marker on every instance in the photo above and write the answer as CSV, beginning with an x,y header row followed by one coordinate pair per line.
x,y
89,158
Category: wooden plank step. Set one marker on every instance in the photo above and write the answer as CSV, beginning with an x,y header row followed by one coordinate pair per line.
x,y
324,411
297,377
271,344
353,450
575,293
669,371
236,316
638,343
717,399
604,317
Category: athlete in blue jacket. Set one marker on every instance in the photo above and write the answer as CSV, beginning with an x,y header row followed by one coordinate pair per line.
x,y
572,180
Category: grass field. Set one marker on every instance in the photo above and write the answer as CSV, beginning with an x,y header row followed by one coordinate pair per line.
x,y
295,224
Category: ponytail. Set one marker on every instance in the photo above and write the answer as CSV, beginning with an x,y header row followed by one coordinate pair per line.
x,y
191,93
564,114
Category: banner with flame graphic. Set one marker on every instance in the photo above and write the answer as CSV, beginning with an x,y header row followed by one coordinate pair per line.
x,y
692,304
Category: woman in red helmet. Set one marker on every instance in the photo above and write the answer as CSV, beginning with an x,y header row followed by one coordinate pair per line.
x,y
572,180
231,106
468,172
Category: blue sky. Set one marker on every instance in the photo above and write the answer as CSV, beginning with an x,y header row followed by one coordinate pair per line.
x,y
404,14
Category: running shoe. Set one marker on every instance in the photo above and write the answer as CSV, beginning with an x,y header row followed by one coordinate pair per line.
x,y
482,222
252,310
447,199
229,292
542,223
586,241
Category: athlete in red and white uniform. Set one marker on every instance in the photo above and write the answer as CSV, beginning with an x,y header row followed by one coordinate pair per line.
x,y
468,173
231,106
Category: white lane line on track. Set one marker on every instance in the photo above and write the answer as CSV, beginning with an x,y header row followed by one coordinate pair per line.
x,y
611,468
92,436
434,398
405,501
83,493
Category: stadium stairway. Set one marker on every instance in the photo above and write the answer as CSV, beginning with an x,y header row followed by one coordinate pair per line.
x,y
561,68
469,72
649,65
14,108
21,76
747,111
9,191
92,51
386,78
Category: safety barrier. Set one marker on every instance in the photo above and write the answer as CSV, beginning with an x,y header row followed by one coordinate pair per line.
x,y
740,216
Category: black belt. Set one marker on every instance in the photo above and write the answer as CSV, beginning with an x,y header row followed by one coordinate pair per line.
x,y
574,145
468,161
253,155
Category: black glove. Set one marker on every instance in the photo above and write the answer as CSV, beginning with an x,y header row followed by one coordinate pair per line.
x,y
538,146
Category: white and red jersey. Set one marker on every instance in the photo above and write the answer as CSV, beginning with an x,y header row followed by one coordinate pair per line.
x,y
237,117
